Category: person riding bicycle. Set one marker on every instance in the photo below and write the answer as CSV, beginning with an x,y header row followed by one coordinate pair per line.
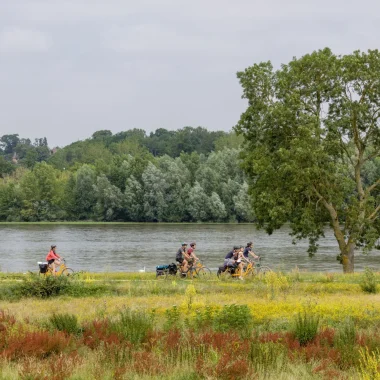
x,y
192,258
53,258
182,256
233,260
248,250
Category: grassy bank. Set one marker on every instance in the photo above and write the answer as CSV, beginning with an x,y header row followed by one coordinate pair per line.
x,y
127,326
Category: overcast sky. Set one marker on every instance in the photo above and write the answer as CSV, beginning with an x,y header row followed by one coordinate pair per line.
x,y
71,67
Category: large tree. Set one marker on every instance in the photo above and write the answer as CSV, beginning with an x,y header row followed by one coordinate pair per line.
x,y
311,128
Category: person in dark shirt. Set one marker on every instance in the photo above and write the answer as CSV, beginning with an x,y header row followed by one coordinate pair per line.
x,y
181,255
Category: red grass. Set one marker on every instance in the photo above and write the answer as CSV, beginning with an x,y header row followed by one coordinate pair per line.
x,y
275,337
146,363
98,332
228,368
39,344
5,317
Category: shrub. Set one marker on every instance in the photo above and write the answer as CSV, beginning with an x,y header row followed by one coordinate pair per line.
x,y
133,325
43,287
204,318
233,317
305,327
173,318
368,282
65,322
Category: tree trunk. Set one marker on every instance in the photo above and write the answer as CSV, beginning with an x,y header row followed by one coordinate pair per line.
x,y
348,258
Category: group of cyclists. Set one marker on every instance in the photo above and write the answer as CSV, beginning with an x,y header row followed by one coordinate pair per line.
x,y
235,259
185,256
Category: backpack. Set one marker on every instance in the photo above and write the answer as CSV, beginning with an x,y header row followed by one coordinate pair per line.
x,y
172,268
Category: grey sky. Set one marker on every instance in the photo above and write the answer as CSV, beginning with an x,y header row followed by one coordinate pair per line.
x,y
71,67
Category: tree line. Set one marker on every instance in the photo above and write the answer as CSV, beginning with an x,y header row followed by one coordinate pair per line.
x,y
118,178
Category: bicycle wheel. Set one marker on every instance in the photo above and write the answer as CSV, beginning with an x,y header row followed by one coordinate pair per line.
x,y
264,269
224,275
67,272
203,273
162,275
171,275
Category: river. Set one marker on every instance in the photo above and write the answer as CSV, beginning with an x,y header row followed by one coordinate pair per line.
x,y
133,247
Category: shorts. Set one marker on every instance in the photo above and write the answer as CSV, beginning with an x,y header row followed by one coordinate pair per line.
x,y
230,263
51,261
180,260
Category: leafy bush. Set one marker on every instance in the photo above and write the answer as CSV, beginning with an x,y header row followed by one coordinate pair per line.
x,y
65,322
34,285
133,325
43,287
204,318
233,317
305,327
173,318
368,282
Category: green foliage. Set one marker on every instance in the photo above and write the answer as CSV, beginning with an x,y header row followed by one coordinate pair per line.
x,y
173,318
115,178
305,327
312,139
65,322
345,340
267,356
34,285
43,286
368,283
133,325
233,317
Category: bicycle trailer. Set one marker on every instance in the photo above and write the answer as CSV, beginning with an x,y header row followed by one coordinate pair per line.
x,y
161,269
43,266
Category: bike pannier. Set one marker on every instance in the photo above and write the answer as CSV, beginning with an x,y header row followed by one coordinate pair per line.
x,y
43,267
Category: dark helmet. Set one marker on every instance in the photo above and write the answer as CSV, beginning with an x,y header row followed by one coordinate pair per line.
x,y
249,244
53,246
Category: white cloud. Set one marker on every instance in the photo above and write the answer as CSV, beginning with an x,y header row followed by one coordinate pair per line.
x,y
20,40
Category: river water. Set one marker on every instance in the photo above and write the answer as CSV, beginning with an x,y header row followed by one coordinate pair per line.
x,y
131,247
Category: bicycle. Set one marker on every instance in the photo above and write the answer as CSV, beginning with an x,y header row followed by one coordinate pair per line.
x,y
252,269
63,270
197,270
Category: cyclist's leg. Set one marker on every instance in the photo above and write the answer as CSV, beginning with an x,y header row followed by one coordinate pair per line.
x,y
185,266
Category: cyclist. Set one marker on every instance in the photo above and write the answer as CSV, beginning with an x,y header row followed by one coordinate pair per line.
x,y
248,250
233,260
181,255
53,258
192,258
